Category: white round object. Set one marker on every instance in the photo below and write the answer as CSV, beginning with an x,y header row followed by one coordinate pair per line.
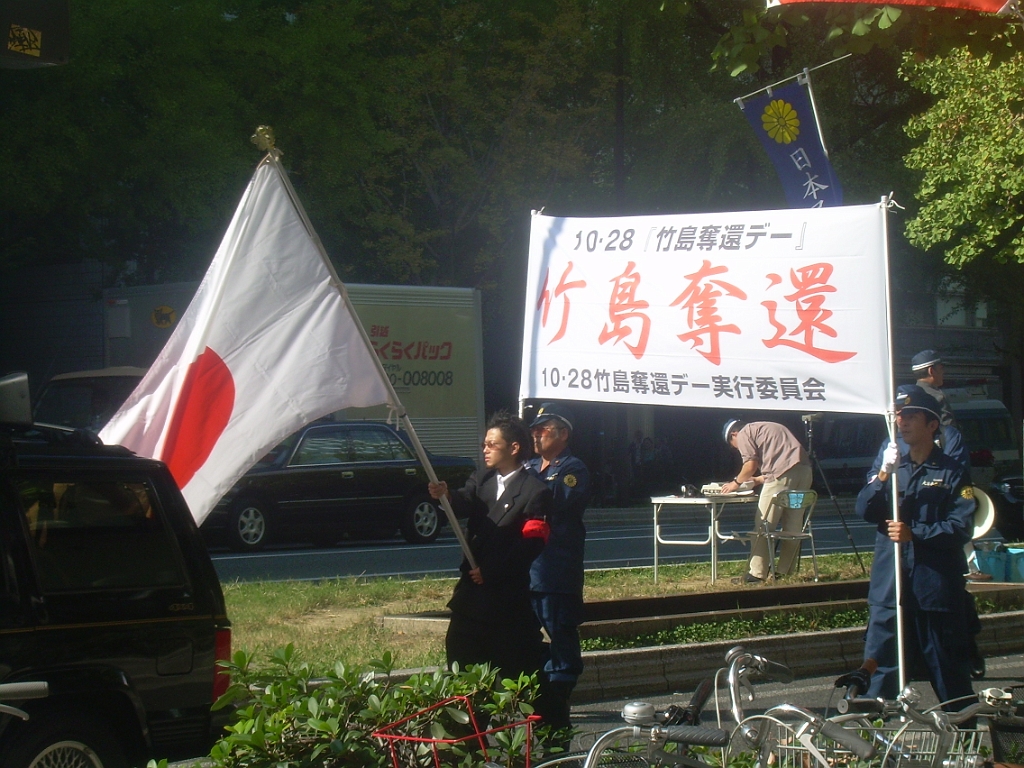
x,y
984,514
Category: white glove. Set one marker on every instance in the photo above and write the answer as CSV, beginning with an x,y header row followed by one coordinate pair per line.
x,y
890,458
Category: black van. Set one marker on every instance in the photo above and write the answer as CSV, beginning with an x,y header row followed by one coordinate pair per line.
x,y
107,595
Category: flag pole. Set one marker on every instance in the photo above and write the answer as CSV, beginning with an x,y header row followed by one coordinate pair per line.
x,y
886,204
897,564
806,72
264,140
806,79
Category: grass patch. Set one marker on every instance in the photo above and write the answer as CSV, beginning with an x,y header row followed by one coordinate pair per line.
x,y
337,620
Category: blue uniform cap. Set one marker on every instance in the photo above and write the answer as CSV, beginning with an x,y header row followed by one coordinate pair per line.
x,y
732,425
912,397
922,361
552,412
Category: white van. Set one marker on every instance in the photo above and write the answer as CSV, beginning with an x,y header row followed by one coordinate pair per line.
x,y
86,399
847,444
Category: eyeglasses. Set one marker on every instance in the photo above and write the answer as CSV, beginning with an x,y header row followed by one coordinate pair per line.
x,y
540,430
492,446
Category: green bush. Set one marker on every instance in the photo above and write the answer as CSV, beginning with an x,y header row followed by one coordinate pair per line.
x,y
286,718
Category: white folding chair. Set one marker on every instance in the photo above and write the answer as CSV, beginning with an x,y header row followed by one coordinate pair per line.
x,y
804,501
784,501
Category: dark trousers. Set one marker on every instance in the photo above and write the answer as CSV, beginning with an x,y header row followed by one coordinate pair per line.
x,y
936,645
561,616
514,645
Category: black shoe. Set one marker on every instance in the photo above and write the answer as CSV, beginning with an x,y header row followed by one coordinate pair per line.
x,y
977,667
747,578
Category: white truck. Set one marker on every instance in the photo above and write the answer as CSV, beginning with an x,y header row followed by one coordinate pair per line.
x,y
428,338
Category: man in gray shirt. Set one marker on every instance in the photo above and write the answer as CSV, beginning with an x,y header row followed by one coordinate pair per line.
x,y
775,459
930,372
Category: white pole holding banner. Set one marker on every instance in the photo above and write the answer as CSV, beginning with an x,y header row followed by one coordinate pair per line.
x,y
421,454
897,565
887,204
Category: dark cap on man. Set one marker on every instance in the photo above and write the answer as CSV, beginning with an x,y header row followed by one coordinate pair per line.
x,y
552,412
910,397
732,425
922,361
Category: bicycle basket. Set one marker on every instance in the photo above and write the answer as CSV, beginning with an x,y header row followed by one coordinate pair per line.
x,y
898,747
1007,739
409,750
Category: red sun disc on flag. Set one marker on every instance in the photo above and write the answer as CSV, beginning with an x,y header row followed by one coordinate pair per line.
x,y
203,410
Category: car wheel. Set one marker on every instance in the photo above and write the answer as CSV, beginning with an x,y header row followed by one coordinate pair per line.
x,y
422,522
249,526
60,740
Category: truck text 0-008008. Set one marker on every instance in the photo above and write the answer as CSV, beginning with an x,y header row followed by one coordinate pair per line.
x,y
423,378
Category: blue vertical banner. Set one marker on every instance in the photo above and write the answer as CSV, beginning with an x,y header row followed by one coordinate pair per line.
x,y
784,120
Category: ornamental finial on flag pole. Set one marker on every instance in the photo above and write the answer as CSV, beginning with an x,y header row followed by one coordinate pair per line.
x,y
264,140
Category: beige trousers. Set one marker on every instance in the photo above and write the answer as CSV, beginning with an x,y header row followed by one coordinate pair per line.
x,y
796,479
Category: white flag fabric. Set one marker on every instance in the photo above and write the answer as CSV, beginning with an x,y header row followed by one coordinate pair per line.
x,y
268,344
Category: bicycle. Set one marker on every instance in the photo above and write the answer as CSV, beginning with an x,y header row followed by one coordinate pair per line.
x,y
693,744
905,736
866,732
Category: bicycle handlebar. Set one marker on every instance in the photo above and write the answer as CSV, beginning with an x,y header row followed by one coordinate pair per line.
x,y
697,735
24,691
865,750
21,692
774,671
860,705
741,664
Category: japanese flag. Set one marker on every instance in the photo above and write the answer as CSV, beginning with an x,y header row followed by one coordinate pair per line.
x,y
268,344
985,6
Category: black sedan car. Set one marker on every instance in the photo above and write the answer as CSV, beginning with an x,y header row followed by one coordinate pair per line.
x,y
331,479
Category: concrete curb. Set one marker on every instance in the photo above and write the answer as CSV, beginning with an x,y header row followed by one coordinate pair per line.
x,y
679,668
671,668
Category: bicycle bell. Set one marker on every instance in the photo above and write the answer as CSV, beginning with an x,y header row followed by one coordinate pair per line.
x,y
638,713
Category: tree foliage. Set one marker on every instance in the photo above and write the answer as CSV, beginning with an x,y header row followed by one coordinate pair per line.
x,y
971,157
763,37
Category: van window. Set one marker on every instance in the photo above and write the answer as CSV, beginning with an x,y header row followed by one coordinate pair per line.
x,y
98,535
849,438
987,429
86,403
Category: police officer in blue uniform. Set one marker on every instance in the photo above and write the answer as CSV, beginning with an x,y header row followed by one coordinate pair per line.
x,y
936,511
556,577
882,621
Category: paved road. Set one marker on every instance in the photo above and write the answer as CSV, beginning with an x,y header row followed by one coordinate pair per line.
x,y
610,544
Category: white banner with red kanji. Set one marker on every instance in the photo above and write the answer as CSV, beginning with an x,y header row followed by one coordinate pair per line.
x,y
780,310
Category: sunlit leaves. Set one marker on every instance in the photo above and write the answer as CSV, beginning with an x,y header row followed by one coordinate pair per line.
x,y
289,718
971,157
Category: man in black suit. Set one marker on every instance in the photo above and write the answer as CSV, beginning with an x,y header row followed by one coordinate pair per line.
x,y
493,621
